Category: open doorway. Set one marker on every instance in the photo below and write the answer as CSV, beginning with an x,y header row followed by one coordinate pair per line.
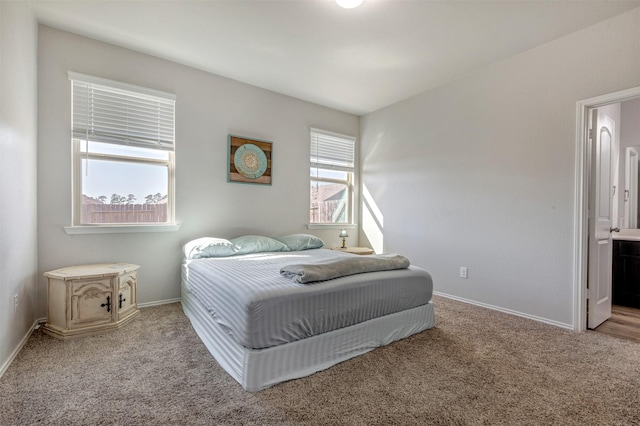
x,y
624,323
585,202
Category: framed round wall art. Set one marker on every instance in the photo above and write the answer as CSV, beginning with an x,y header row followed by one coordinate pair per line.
x,y
249,160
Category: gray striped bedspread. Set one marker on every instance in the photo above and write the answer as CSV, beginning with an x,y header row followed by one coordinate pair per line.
x,y
259,308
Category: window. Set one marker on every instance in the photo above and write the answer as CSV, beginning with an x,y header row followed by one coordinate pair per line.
x,y
331,178
123,153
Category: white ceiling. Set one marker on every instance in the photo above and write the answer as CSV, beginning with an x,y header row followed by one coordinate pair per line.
x,y
357,60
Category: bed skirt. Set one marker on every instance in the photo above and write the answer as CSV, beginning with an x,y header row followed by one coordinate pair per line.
x,y
257,369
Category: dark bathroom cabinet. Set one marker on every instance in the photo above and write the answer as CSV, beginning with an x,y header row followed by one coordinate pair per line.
x,y
626,273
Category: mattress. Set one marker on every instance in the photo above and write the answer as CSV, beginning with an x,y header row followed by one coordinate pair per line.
x,y
258,308
257,369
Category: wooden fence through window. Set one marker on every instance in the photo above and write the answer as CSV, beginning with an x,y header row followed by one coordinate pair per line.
x,y
124,213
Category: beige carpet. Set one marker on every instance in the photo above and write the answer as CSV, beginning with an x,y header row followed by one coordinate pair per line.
x,y
475,367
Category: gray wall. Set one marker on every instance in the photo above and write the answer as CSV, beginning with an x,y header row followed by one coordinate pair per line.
x,y
17,175
477,173
630,123
208,108
481,172
629,136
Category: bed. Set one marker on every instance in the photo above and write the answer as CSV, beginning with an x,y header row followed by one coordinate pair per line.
x,y
264,328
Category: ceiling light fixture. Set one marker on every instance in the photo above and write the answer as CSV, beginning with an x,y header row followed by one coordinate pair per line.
x,y
349,4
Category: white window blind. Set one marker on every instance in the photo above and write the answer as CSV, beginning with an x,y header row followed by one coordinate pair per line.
x,y
118,113
332,151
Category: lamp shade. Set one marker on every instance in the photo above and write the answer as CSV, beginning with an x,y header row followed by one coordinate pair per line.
x,y
343,233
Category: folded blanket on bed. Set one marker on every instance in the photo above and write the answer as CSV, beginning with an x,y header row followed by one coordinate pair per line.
x,y
312,272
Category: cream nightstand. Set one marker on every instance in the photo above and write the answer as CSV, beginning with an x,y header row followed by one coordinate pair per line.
x,y
354,250
90,299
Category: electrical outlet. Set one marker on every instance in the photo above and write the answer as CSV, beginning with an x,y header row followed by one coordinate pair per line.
x,y
15,303
464,272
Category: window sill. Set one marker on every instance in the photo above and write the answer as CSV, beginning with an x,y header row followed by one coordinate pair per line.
x,y
332,226
118,229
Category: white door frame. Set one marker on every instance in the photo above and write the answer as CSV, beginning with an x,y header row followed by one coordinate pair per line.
x,y
581,202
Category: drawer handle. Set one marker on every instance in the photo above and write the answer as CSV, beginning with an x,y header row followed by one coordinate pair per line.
x,y
108,304
120,300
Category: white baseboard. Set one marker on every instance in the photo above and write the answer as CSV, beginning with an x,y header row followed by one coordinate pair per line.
x,y
158,302
506,311
16,351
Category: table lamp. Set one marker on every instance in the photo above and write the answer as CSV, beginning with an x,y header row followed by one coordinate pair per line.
x,y
343,235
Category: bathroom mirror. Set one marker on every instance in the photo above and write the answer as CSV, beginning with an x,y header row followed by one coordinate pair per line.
x,y
631,187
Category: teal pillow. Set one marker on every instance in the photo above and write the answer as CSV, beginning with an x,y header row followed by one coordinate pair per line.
x,y
209,247
257,244
297,242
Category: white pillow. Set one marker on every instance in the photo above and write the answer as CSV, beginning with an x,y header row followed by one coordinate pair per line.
x,y
209,247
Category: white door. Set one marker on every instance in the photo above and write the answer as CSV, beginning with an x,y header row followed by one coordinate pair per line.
x,y
600,219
